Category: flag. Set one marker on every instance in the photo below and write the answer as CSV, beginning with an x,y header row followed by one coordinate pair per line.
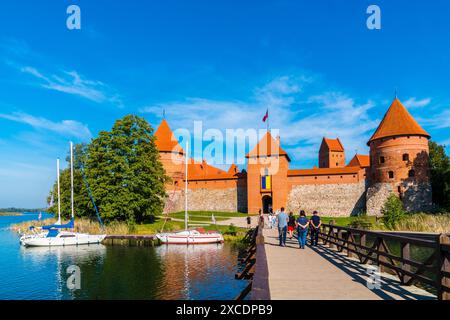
x,y
266,115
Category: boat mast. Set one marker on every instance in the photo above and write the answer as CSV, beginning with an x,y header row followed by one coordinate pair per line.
x,y
186,187
71,178
59,193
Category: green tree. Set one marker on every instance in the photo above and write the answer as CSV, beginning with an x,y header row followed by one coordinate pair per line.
x,y
440,175
392,211
124,172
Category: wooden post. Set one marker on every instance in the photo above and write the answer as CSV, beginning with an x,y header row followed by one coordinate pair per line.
x,y
362,242
331,231
350,238
405,254
444,267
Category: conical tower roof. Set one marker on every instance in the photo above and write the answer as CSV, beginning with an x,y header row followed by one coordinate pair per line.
x,y
398,122
165,139
268,146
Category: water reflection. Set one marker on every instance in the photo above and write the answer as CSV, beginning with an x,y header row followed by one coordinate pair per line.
x,y
118,272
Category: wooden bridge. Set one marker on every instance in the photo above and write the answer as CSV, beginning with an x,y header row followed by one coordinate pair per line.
x,y
348,264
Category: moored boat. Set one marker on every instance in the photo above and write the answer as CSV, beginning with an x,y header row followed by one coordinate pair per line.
x,y
193,236
190,237
52,235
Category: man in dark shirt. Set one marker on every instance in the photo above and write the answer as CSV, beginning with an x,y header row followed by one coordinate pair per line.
x,y
315,224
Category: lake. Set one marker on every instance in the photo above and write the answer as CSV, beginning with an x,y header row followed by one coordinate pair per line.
x,y
116,272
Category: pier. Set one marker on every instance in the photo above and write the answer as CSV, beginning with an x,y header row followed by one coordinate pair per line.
x,y
131,240
342,267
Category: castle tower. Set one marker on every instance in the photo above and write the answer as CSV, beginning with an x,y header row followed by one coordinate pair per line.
x,y
331,153
399,162
171,155
267,182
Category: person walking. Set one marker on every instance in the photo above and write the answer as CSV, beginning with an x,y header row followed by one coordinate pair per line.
x,y
261,218
282,221
291,225
315,224
302,229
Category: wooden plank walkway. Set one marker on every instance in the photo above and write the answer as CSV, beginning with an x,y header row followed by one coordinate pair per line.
x,y
321,273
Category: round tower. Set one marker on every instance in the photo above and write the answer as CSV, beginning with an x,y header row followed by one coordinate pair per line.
x,y
171,155
399,158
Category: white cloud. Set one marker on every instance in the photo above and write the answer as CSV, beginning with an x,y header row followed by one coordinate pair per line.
x,y
414,103
438,121
301,118
65,127
71,82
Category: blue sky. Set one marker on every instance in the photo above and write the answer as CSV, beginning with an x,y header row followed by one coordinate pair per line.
x,y
314,64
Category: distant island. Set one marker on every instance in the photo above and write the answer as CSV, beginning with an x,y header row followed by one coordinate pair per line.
x,y
16,211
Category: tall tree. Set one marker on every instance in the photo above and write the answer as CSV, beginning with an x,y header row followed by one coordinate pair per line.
x,y
440,175
123,169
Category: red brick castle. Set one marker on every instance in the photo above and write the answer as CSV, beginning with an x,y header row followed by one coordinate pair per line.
x,y
397,163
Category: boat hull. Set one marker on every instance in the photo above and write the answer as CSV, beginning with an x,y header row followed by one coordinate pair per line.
x,y
190,238
78,239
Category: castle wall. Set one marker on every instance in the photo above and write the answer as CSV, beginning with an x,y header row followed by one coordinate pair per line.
x,y
334,200
228,196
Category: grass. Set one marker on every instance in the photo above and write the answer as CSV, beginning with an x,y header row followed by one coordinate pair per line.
x,y
423,222
417,222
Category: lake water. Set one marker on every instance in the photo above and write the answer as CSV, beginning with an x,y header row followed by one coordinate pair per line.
x,y
116,272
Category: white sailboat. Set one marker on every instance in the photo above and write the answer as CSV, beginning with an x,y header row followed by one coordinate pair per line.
x,y
194,236
52,235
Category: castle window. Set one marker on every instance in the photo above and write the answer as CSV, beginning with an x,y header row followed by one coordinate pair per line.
x,y
328,177
266,171
341,177
315,178
411,173
391,174
337,164
405,157
381,159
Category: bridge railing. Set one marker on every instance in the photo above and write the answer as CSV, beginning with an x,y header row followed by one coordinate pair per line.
x,y
256,269
412,259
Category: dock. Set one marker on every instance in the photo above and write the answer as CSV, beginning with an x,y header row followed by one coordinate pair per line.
x,y
131,240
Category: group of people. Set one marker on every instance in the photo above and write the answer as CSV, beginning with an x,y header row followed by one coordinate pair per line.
x,y
287,224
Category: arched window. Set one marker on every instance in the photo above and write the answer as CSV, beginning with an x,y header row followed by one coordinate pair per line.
x,y
391,174
266,171
411,173
405,157
381,159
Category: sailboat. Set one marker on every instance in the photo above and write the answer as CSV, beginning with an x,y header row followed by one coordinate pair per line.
x,y
193,236
52,235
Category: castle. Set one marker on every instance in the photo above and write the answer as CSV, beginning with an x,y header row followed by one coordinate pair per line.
x,y
397,163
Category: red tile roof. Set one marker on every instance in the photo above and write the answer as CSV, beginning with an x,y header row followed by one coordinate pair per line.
x,y
205,171
397,122
323,171
268,146
165,140
333,144
360,160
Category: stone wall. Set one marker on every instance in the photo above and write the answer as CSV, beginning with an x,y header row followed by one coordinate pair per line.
x,y
328,199
415,196
226,200
376,196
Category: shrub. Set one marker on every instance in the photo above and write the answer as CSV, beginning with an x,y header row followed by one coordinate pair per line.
x,y
361,222
393,212
231,230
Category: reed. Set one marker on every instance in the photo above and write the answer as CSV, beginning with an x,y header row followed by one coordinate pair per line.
x,y
82,225
425,222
